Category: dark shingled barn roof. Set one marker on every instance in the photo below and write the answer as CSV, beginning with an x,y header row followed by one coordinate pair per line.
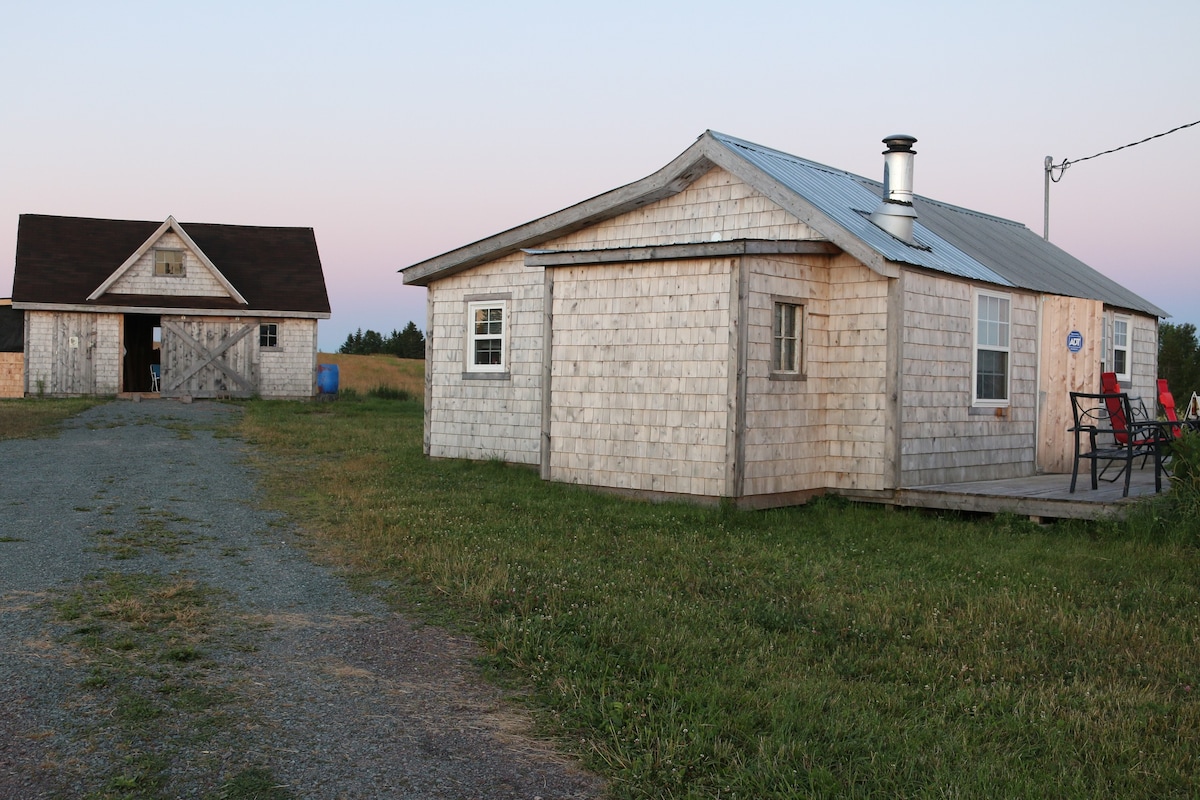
x,y
63,260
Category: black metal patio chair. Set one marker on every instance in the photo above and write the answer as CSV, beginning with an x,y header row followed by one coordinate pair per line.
x,y
1107,429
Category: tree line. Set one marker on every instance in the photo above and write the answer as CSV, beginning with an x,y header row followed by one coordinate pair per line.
x,y
408,343
1179,360
1178,352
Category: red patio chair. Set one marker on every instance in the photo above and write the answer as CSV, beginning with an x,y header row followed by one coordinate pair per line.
x,y
1138,412
1118,422
1166,402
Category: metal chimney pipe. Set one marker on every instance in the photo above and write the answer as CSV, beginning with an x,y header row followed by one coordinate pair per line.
x,y
896,214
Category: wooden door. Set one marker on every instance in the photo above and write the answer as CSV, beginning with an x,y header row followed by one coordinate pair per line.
x,y
208,358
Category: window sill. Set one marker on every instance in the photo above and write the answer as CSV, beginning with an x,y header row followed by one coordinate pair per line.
x,y
487,376
788,376
988,411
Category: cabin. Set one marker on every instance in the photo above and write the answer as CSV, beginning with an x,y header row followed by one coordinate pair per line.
x,y
749,326
184,310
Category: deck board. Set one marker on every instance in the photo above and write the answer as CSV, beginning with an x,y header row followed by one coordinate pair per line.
x,y
1041,496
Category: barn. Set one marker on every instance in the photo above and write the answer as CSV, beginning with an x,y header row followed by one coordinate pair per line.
x,y
12,358
752,326
187,310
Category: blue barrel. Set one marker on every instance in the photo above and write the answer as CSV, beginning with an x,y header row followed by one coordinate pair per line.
x,y
327,378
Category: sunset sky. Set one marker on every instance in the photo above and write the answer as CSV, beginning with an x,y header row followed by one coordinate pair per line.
x,y
398,131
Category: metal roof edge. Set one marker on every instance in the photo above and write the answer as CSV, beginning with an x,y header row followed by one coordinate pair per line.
x,y
665,182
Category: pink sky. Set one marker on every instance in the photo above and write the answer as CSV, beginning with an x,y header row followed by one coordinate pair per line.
x,y
398,131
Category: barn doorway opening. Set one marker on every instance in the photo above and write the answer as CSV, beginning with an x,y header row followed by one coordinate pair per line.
x,y
143,342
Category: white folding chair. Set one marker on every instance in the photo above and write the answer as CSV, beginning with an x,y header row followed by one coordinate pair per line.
x,y
154,368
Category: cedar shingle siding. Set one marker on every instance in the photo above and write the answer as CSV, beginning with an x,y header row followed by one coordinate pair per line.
x,y
640,335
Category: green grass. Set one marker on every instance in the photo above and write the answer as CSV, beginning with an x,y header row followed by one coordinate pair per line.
x,y
832,650
35,417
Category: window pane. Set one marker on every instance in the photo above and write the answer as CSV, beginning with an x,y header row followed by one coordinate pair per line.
x,y
991,375
992,323
1120,362
489,321
487,351
788,362
786,340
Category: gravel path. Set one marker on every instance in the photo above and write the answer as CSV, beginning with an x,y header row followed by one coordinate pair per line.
x,y
324,691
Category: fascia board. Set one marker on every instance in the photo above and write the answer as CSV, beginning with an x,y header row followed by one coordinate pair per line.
x,y
204,259
129,262
668,181
172,311
171,225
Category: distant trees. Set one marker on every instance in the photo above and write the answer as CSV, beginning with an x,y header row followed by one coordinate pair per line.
x,y
408,343
1179,359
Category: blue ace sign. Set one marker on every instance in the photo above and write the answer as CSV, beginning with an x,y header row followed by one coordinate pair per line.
x,y
1074,341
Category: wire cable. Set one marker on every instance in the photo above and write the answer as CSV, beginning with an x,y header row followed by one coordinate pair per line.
x,y
1066,162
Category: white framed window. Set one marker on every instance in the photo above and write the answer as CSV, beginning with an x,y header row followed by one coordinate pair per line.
x,y
1121,349
787,339
168,262
268,335
487,321
991,369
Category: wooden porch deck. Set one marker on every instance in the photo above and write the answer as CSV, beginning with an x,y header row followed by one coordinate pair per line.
x,y
1039,496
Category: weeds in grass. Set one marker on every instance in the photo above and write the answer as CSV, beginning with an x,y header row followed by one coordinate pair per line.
x,y
146,638
253,784
828,650
156,530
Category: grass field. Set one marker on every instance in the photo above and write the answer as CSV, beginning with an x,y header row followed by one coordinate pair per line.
x,y
832,650
364,374
34,416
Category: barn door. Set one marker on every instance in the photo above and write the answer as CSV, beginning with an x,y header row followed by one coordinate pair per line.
x,y
207,358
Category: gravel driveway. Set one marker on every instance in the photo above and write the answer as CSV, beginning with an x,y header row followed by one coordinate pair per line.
x,y
324,692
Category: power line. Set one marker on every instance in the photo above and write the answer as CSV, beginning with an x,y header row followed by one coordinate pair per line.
x,y
1066,162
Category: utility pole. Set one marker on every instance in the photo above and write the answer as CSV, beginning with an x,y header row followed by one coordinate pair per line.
x,y
1066,162
1046,218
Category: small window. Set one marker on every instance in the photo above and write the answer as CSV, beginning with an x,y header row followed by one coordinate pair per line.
x,y
787,342
1121,347
268,334
991,349
168,262
485,335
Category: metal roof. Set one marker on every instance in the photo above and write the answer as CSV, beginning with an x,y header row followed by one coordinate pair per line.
x,y
837,205
949,239
1028,260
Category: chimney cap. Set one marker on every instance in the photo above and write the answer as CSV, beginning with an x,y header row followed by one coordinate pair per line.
x,y
899,143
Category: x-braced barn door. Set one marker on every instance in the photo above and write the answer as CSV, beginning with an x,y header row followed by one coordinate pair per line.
x,y
207,358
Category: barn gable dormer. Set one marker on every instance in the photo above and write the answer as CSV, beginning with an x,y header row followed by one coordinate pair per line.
x,y
169,263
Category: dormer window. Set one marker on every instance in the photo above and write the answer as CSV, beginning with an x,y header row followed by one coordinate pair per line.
x,y
168,262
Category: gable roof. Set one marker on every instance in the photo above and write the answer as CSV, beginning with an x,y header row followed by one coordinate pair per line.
x,y
71,261
174,227
837,205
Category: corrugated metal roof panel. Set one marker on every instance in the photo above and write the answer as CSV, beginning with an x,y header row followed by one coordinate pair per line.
x,y
1027,259
844,198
